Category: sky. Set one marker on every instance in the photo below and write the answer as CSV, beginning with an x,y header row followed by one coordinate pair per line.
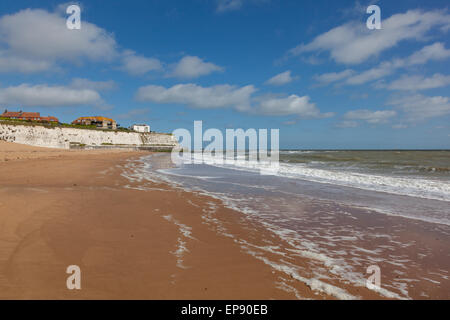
x,y
311,69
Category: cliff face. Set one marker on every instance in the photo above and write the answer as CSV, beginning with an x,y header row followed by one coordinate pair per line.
x,y
66,138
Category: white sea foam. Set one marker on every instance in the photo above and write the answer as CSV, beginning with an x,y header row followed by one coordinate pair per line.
x,y
314,284
416,187
186,233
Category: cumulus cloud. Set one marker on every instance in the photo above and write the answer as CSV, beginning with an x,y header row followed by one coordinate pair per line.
x,y
139,65
350,77
227,96
35,40
382,70
372,117
419,82
433,52
333,76
419,107
353,43
193,67
48,96
195,96
281,78
291,105
14,63
38,34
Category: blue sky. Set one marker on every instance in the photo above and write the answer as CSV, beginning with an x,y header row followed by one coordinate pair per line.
x,y
310,68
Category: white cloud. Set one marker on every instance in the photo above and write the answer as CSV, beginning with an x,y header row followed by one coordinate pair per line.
x,y
436,51
139,65
193,67
47,96
35,40
334,76
433,52
81,83
195,96
13,63
281,78
419,107
382,70
291,105
372,117
227,96
419,82
41,35
353,43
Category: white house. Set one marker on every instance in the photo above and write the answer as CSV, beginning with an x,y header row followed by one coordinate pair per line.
x,y
140,128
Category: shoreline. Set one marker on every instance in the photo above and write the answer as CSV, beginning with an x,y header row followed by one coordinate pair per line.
x,y
327,245
134,239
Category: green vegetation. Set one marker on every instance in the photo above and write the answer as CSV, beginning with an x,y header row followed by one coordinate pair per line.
x,y
28,123
76,126
77,144
162,150
55,125
124,129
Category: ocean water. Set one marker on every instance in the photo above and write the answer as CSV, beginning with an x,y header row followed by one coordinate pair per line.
x,y
413,184
424,174
341,210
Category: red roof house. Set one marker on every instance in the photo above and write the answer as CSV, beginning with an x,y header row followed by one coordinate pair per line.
x,y
32,116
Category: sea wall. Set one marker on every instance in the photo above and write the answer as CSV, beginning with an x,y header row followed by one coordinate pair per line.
x,y
66,138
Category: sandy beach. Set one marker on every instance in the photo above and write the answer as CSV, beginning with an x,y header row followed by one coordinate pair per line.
x,y
61,208
135,238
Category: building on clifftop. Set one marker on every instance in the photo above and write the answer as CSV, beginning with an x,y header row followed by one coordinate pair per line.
x,y
29,116
100,122
140,128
